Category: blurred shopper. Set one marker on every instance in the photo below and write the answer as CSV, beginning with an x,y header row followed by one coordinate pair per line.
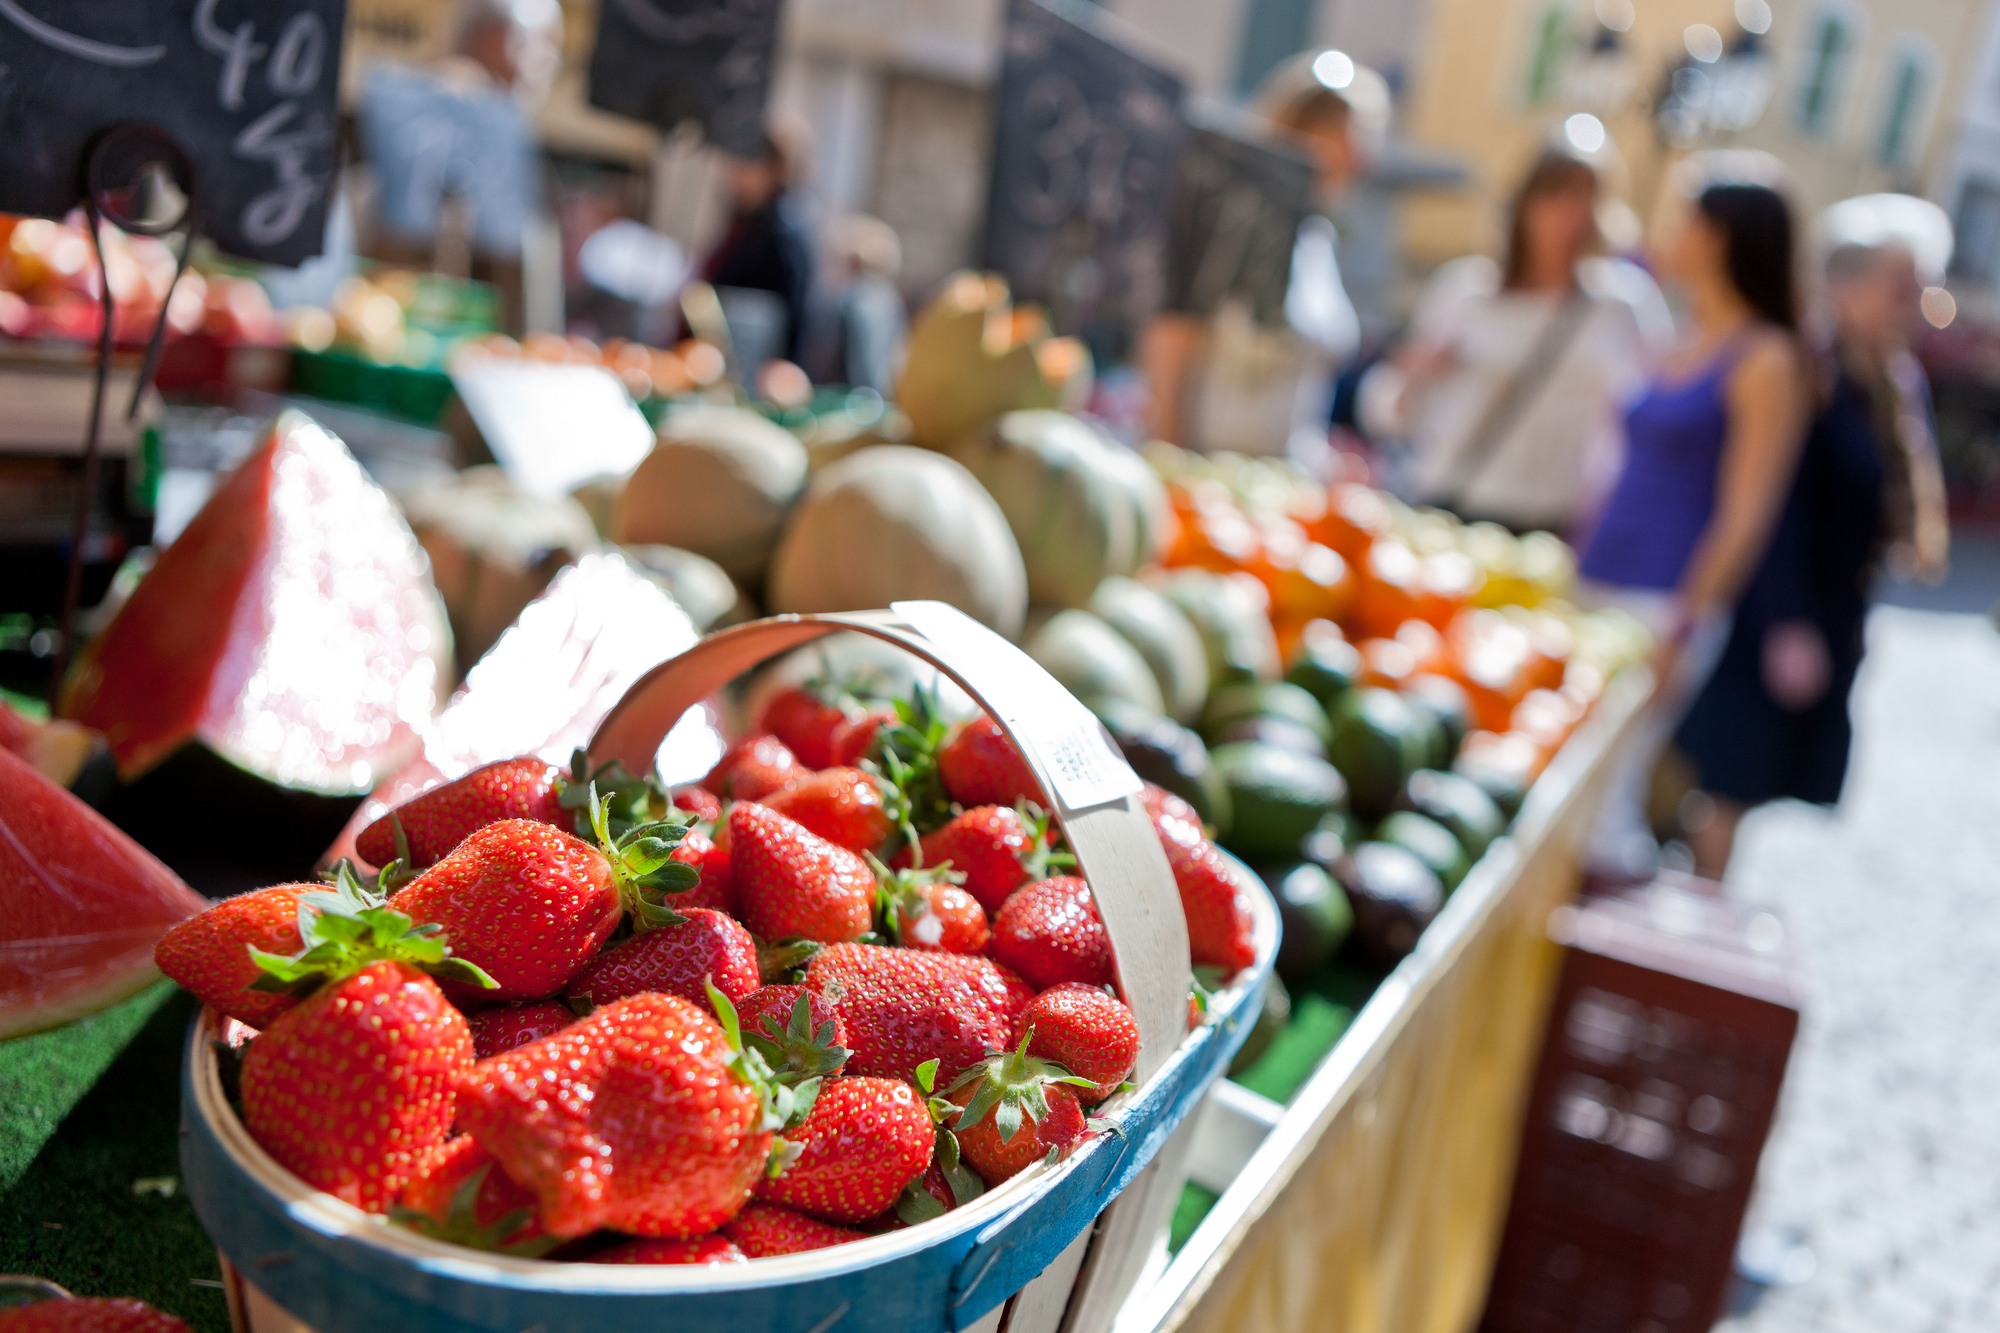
x,y
763,268
861,339
1225,382
451,149
1710,450
1772,721
1509,386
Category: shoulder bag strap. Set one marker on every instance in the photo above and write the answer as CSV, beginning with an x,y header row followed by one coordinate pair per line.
x,y
1512,397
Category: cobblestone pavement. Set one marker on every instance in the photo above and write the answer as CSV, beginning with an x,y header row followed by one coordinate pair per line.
x,y
1886,1160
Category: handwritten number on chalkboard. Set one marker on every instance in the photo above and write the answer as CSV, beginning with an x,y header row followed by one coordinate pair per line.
x,y
293,72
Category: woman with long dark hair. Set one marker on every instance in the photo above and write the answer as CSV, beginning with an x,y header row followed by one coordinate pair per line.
x,y
1710,450
1509,383
1772,721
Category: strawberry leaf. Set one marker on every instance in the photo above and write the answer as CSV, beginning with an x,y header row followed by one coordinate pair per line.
x,y
642,862
461,1223
629,800
917,1204
801,1050
964,1182
346,928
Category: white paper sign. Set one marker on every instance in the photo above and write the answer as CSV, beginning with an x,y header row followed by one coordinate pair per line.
x,y
1082,761
552,427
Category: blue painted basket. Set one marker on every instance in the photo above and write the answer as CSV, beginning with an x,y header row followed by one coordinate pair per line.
x,y
302,1261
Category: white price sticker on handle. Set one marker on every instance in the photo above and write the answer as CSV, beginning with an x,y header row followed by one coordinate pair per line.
x,y
1068,739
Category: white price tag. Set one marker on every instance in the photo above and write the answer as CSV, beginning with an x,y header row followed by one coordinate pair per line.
x,y
1068,739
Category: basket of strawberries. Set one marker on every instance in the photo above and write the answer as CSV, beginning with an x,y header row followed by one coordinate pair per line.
x,y
864,1031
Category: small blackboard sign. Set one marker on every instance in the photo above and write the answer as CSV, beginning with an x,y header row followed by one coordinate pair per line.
x,y
246,89
670,61
1086,133
1237,206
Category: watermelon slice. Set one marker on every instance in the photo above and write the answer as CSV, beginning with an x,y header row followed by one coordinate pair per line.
x,y
546,684
292,628
85,905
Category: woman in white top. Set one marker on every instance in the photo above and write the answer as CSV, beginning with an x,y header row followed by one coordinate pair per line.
x,y
1510,383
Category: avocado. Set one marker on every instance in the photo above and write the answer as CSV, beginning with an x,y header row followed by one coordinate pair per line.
x,y
1394,896
1431,841
1276,797
1279,731
1379,739
1238,700
1329,840
1458,803
1501,771
1272,1019
1315,915
1445,700
1168,755
1326,668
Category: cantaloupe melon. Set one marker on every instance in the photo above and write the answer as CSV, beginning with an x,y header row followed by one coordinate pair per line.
x,y
1165,637
899,523
718,483
972,356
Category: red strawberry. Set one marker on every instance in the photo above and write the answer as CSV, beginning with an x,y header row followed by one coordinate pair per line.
x,y
808,721
681,959
1017,1108
526,901
348,1090
765,1229
753,768
714,1248
901,1007
441,818
639,1118
700,803
854,738
1087,1031
1219,924
532,905
793,884
716,891
767,1011
980,766
120,1314
1050,933
460,1194
864,1140
209,955
1173,818
846,806
511,1025
998,848
926,909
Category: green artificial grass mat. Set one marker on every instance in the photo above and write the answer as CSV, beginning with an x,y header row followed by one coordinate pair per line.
x,y
1323,1005
100,1209
1195,1201
43,1076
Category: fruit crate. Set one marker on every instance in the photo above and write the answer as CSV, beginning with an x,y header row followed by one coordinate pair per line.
x,y
1060,1241
1372,1201
1657,1086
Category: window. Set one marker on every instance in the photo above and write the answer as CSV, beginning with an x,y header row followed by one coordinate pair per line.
x,y
1829,51
1902,113
1978,226
1548,52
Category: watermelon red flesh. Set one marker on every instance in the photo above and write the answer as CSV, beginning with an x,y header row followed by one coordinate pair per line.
x,y
292,628
84,905
546,684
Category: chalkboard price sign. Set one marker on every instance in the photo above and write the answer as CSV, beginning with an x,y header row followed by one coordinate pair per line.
x,y
1085,139
670,61
246,88
1236,212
